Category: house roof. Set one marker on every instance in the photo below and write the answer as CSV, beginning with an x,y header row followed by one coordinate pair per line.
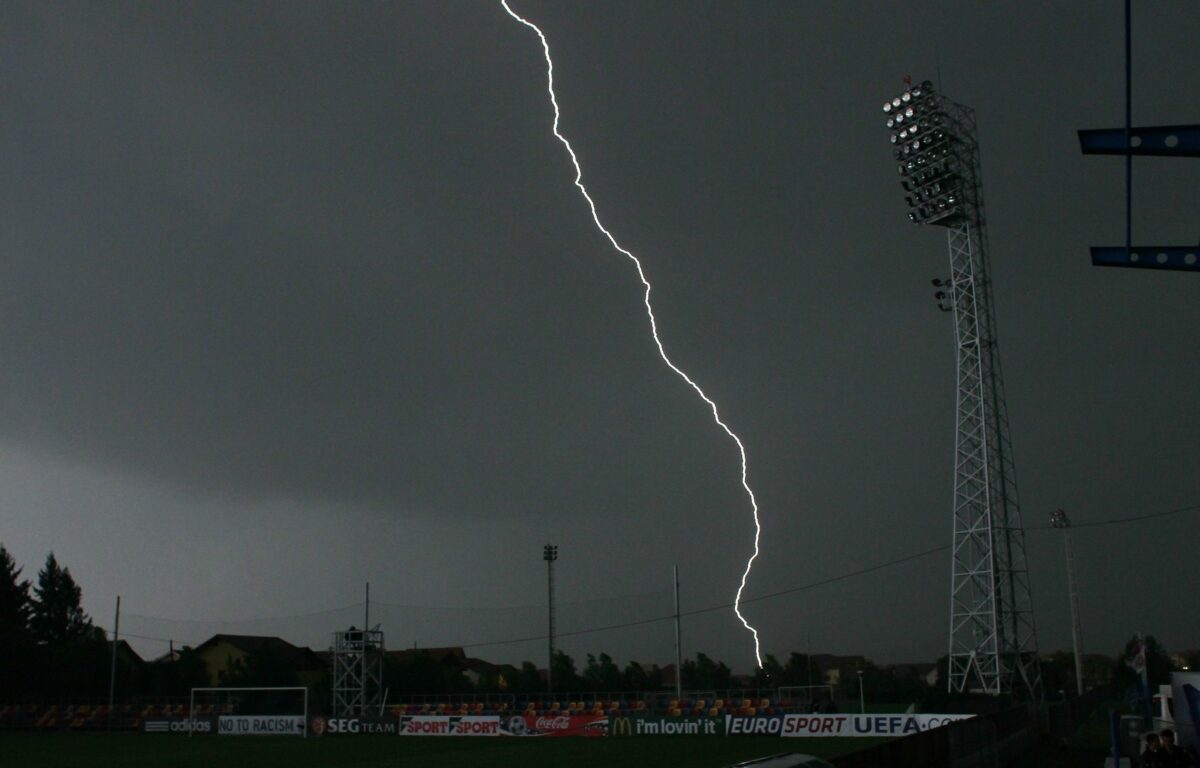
x,y
449,653
277,646
125,651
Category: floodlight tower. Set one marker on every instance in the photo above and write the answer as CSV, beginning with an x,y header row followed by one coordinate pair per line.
x,y
550,554
993,638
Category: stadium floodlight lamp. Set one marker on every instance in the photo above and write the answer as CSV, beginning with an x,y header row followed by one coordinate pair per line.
x,y
550,553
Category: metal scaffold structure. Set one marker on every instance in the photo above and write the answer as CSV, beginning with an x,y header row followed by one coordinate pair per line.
x,y
357,672
993,637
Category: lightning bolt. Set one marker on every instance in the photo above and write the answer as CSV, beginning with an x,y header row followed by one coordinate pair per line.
x,y
654,325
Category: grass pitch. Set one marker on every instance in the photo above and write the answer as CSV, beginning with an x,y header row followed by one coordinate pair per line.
x,y
109,750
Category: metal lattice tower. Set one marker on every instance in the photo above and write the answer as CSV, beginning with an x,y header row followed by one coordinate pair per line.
x,y
993,638
357,672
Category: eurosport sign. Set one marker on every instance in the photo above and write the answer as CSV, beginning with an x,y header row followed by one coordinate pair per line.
x,y
816,726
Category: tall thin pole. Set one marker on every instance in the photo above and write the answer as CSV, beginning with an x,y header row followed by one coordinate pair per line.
x,y
678,646
809,664
550,554
362,655
1128,128
1059,519
862,701
112,675
1076,632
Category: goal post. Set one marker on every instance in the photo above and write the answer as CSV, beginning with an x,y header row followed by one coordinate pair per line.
x,y
252,710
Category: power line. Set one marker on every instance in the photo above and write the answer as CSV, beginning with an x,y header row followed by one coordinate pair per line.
x,y
310,614
1121,520
824,582
670,617
723,606
528,606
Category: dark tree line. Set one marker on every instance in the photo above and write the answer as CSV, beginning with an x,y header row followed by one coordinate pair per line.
x,y
50,649
48,645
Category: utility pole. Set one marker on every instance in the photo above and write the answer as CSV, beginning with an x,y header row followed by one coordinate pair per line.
x,y
363,658
862,701
112,675
550,554
1059,519
678,647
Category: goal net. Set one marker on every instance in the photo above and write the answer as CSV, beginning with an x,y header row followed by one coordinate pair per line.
x,y
250,711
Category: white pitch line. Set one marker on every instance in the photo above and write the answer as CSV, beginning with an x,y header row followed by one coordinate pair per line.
x,y
654,326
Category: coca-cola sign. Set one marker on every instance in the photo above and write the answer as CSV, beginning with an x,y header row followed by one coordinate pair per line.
x,y
555,725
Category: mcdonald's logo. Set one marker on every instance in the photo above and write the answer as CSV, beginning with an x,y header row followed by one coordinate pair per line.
x,y
620,726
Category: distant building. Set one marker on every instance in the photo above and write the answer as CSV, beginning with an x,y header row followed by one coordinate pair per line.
x,y
223,655
836,669
927,673
126,654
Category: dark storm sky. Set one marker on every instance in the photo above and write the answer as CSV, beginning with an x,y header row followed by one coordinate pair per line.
x,y
299,295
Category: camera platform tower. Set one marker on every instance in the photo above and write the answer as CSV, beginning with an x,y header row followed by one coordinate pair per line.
x,y
993,638
357,672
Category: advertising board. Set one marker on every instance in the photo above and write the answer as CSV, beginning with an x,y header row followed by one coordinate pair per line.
x,y
651,725
449,725
555,725
319,726
261,725
810,726
178,725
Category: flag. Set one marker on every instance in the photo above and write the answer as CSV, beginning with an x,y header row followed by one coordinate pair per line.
x,y
1137,662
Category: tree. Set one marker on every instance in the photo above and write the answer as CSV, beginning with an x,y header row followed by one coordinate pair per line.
x,y
601,674
17,665
57,618
565,678
15,605
706,674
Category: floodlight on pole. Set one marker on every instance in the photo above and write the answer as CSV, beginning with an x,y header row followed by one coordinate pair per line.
x,y
993,639
1059,519
550,554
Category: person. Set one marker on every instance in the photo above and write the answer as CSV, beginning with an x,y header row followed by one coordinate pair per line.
x,y
1151,753
1171,755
